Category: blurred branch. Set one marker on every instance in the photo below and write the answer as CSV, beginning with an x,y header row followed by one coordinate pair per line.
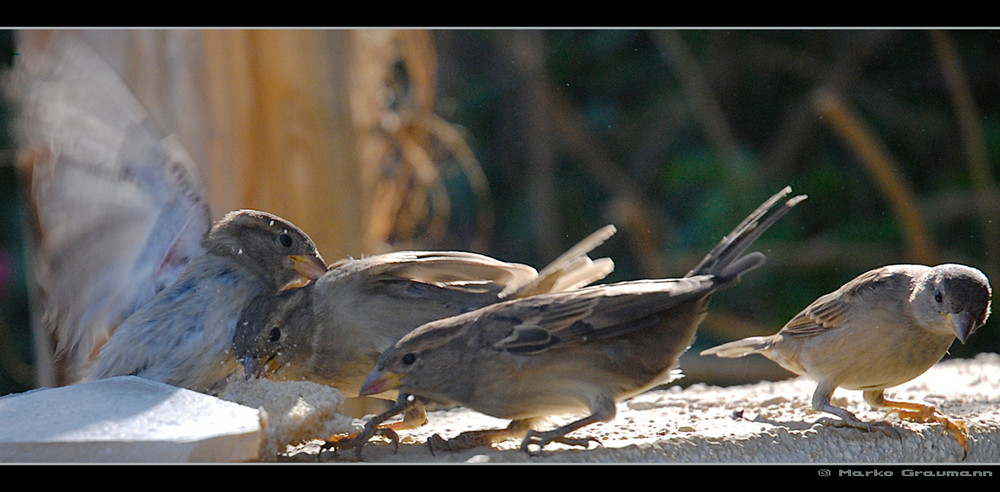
x,y
885,172
645,226
797,62
706,109
525,52
456,145
955,205
973,140
408,201
653,140
405,144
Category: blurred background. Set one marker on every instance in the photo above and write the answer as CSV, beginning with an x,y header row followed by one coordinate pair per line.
x,y
518,143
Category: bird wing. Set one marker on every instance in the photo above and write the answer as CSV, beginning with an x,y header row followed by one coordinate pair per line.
x,y
571,270
453,270
118,209
545,322
465,272
832,310
419,285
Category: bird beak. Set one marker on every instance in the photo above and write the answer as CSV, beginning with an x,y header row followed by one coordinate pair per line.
x,y
308,267
250,368
379,381
962,324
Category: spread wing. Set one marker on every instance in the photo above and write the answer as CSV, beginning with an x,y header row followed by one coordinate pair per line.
x,y
117,208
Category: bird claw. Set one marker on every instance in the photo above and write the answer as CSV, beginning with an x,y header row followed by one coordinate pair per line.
x,y
927,413
883,427
541,439
436,441
460,442
358,440
371,429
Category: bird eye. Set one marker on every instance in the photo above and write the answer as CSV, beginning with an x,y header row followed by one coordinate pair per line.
x,y
409,358
274,335
285,240
937,296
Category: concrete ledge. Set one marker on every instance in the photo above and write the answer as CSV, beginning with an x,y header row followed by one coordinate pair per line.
x,y
769,422
132,420
125,419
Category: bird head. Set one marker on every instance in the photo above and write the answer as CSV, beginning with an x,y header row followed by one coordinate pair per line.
x,y
270,332
957,294
269,246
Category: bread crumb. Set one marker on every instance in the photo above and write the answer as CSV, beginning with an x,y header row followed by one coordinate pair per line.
x,y
292,411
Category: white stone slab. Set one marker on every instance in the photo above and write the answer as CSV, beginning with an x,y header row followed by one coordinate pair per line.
x,y
126,420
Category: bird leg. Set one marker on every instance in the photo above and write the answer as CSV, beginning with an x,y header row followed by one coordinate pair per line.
x,y
414,416
373,427
602,409
821,402
558,434
476,438
921,412
357,440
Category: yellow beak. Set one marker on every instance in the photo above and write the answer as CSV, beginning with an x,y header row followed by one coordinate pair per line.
x,y
253,368
308,267
380,382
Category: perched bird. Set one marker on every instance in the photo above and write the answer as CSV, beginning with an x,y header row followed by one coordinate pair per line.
x,y
124,246
333,330
882,329
580,350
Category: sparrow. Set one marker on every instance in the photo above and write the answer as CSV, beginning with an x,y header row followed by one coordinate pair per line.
x,y
184,335
581,350
121,230
333,330
879,330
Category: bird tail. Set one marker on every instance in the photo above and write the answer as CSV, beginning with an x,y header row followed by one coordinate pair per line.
x,y
724,260
571,270
739,348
